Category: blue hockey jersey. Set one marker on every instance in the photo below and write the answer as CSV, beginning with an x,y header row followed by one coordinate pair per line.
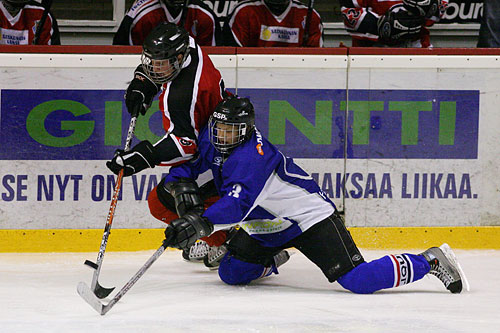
x,y
263,191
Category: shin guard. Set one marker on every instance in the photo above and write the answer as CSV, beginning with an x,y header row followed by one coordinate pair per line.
x,y
387,272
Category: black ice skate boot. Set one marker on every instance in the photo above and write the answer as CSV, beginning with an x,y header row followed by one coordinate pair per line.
x,y
216,253
445,267
281,258
214,257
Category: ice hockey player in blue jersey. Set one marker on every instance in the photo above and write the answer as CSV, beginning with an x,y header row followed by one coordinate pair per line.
x,y
279,206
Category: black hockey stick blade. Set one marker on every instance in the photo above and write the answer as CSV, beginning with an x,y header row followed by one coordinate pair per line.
x,y
102,292
89,297
99,291
91,264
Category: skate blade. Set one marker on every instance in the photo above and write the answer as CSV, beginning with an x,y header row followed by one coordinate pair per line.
x,y
448,252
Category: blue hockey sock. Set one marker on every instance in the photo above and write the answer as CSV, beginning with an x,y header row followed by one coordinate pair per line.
x,y
387,272
234,271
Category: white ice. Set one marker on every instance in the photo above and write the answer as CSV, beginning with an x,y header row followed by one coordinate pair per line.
x,y
38,294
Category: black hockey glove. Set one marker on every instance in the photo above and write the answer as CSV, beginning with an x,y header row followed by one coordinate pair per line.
x,y
185,231
140,93
186,195
425,8
397,26
138,158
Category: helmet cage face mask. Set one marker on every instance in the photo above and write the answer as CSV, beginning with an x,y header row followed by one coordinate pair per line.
x,y
226,136
162,70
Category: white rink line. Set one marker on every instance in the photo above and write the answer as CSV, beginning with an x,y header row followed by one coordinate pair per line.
x,y
38,294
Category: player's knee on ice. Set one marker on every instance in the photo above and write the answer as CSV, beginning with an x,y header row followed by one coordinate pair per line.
x,y
236,272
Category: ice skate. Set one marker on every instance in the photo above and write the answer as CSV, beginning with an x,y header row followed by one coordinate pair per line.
x,y
281,258
197,252
446,268
215,254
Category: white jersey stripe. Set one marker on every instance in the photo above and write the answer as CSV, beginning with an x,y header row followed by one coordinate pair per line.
x,y
195,90
138,17
211,17
165,106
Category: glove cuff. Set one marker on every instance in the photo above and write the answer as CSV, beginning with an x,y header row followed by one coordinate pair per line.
x,y
141,75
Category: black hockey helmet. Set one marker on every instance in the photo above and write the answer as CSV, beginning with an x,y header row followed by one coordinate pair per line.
x,y
161,50
231,124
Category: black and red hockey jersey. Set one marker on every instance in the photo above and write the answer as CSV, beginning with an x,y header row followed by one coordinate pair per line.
x,y
20,29
361,17
186,104
199,20
253,24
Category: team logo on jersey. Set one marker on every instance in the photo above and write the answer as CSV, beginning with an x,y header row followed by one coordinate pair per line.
x,y
136,5
259,149
13,37
218,160
194,28
279,34
265,226
35,26
266,34
351,16
259,143
185,142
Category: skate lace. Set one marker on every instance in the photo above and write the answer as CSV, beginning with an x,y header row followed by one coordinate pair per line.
x,y
442,274
198,250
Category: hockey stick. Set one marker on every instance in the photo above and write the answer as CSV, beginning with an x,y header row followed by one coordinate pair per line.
x,y
39,28
99,290
308,22
86,293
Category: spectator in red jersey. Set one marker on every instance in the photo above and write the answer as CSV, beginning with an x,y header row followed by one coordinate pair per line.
x,y
395,23
144,15
271,23
19,22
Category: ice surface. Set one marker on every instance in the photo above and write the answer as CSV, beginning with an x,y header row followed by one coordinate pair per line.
x,y
38,294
